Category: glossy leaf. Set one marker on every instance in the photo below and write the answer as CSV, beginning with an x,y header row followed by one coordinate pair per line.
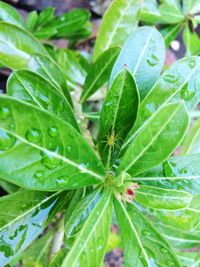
x,y
99,72
26,215
171,12
191,41
191,6
145,151
144,63
89,247
31,20
149,12
16,46
34,89
165,199
118,114
170,33
119,21
10,14
51,154
8,187
48,68
143,245
180,81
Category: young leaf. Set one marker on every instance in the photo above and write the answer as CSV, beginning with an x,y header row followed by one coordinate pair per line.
x,y
26,215
143,245
10,14
191,143
164,199
149,148
180,81
48,68
119,21
99,72
34,89
42,151
89,247
118,114
16,46
171,11
144,63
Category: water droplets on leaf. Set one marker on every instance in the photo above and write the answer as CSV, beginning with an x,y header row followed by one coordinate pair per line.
x,y
6,249
4,112
83,167
49,159
100,243
172,78
145,232
192,63
169,263
163,250
39,175
186,93
34,135
53,131
152,60
7,141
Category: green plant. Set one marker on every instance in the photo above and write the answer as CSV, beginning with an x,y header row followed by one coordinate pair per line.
x,y
51,164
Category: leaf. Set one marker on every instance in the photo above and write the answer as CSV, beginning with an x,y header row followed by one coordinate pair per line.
x,y
26,215
48,68
46,16
42,151
149,148
118,114
16,46
119,21
191,143
31,20
70,22
70,65
9,14
8,187
180,81
34,89
89,247
191,6
145,63
195,203
170,33
99,72
171,12
58,258
164,199
149,12
75,219
191,41
143,245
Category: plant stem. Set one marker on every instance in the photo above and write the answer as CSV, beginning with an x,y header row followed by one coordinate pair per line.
x,y
57,240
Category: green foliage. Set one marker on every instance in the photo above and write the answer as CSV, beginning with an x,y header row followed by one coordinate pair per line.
x,y
71,163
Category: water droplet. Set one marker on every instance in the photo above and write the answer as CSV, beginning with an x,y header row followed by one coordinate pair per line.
x,y
11,126
39,175
163,250
186,93
170,169
4,112
183,171
100,243
50,160
169,263
33,135
6,140
83,167
192,63
172,78
53,131
107,104
152,60
145,232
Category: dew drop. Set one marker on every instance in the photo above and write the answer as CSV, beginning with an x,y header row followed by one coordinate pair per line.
x,y
163,250
169,263
186,93
192,63
7,141
49,159
100,243
4,112
11,126
53,131
145,232
152,60
39,175
33,135
172,78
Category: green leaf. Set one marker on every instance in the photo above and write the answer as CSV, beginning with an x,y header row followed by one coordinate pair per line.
x,y
195,203
46,16
149,148
191,41
9,14
180,81
191,6
118,114
34,89
165,199
149,12
145,63
99,72
8,187
31,20
41,151
58,258
70,22
70,65
119,21
143,245
170,33
26,215
16,46
171,11
89,247
48,68
191,143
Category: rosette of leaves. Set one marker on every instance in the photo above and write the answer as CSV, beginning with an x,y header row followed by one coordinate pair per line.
x,y
132,171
